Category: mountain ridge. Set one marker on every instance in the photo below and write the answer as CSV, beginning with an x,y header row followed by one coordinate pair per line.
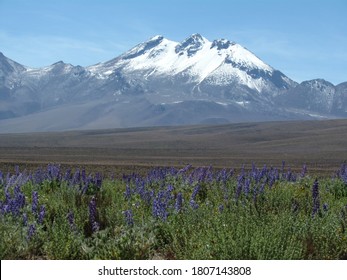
x,y
161,82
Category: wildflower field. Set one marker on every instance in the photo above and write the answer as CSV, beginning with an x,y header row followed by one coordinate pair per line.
x,y
189,213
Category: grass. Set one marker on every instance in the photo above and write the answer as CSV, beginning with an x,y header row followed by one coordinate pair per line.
x,y
203,213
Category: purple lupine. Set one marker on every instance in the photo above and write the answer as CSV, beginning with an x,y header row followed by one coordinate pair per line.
x,y
129,218
192,201
1,178
272,176
42,214
19,197
71,220
221,208
127,193
147,196
53,172
97,180
83,176
247,186
179,202
86,182
17,202
67,175
25,219
93,215
203,175
239,186
255,174
255,193
193,204
35,202
263,172
303,171
31,231
315,198
169,188
224,175
159,206
325,207
76,178
342,173
184,169
17,171
39,176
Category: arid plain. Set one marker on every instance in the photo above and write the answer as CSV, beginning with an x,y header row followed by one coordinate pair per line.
x,y
319,144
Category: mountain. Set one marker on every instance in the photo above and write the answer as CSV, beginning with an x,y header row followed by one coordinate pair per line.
x,y
161,82
318,98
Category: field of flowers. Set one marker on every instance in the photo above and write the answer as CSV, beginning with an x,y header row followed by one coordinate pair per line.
x,y
189,213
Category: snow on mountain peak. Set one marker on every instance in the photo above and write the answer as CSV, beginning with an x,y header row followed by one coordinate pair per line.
x,y
222,44
191,45
221,61
142,48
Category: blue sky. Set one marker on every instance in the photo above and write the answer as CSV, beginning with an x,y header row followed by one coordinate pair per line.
x,y
305,39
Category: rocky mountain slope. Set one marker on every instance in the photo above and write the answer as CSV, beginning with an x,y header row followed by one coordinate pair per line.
x,y
161,82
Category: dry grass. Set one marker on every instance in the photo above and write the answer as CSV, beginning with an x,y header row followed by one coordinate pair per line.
x,y
320,144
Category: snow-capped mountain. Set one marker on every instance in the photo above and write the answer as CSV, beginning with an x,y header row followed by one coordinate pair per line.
x,y
197,62
160,82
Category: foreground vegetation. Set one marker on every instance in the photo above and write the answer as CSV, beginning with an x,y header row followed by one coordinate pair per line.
x,y
202,213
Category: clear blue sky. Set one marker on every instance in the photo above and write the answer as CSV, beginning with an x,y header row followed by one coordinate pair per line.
x,y
305,39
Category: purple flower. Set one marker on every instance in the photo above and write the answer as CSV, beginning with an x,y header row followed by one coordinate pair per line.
x,y
17,171
19,197
97,180
13,204
128,214
221,208
93,215
315,198
76,179
31,231
53,172
192,201
342,173
25,219
42,214
179,202
39,176
127,193
35,202
185,169
239,186
95,226
193,204
255,194
303,171
160,204
246,189
325,207
67,175
86,183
